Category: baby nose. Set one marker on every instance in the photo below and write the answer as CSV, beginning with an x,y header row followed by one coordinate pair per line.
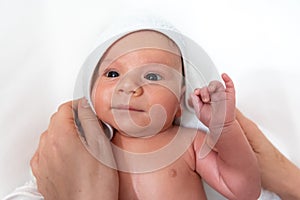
x,y
130,87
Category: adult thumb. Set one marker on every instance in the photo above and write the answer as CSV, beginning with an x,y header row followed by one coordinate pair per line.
x,y
92,130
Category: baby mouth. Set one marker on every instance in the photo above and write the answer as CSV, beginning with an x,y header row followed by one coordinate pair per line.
x,y
127,108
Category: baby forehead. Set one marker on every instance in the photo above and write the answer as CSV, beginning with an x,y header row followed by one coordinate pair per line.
x,y
142,39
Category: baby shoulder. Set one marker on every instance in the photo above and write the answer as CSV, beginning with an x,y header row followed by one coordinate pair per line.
x,y
194,136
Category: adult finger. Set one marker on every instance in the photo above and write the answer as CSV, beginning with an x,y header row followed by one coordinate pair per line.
x,y
65,110
88,124
34,163
247,125
254,135
62,121
96,141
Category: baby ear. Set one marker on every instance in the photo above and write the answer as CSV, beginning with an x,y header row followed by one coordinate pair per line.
x,y
178,112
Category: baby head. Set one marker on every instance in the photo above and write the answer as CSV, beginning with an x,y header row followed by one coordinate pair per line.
x,y
137,85
132,38
133,81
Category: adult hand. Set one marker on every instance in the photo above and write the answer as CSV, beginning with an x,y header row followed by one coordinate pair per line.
x,y
64,168
278,174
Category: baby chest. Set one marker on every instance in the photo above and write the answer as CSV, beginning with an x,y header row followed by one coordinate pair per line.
x,y
172,182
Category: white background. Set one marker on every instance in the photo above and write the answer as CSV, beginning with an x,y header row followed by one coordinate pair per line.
x,y
44,42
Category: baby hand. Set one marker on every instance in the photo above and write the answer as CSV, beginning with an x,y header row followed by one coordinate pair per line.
x,y
214,104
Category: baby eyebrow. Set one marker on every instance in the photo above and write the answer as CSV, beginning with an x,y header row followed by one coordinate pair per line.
x,y
107,61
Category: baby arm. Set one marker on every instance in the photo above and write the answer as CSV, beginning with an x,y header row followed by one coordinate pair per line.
x,y
230,166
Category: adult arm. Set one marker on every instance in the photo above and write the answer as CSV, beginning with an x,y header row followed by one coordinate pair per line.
x,y
278,174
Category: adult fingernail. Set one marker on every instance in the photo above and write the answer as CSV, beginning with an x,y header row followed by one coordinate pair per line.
x,y
85,103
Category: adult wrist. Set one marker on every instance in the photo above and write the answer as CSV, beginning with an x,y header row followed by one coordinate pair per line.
x,y
290,190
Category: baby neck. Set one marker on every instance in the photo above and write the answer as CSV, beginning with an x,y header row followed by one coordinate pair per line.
x,y
144,144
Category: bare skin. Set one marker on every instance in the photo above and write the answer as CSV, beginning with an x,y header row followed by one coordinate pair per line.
x,y
231,168
271,162
275,168
178,176
64,169
131,82
268,158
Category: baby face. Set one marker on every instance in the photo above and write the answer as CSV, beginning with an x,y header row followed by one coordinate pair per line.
x,y
139,84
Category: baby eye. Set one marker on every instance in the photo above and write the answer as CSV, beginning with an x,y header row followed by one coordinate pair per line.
x,y
112,74
152,77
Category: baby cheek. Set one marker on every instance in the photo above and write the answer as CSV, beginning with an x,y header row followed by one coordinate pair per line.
x,y
170,104
101,100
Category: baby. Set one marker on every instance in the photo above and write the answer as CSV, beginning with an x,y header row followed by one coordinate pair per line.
x,y
137,89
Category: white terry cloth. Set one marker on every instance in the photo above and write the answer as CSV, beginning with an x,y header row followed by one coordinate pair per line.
x,y
28,191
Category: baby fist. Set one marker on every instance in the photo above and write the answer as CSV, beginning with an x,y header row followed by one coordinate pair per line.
x,y
215,104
